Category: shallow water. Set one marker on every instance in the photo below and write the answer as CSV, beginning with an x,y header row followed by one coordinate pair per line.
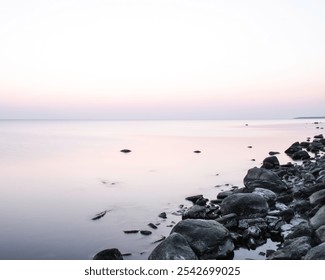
x,y
55,176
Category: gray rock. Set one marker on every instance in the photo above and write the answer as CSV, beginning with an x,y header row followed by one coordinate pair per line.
x,y
316,253
317,197
319,219
300,155
303,229
207,238
263,178
245,205
294,249
174,247
320,233
270,162
268,195
109,254
195,212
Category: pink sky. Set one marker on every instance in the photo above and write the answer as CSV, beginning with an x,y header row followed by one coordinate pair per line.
x,y
161,59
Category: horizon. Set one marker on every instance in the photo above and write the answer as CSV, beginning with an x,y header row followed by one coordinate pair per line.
x,y
161,60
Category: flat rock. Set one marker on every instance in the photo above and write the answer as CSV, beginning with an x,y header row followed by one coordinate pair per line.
x,y
194,198
174,247
109,254
316,253
263,178
125,151
245,205
207,238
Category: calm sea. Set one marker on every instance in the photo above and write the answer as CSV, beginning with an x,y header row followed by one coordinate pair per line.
x,y
55,176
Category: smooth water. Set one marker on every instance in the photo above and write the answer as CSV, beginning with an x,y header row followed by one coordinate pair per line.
x,y
55,176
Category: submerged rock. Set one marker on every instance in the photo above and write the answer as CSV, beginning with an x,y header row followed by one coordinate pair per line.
x,y
208,239
245,205
174,247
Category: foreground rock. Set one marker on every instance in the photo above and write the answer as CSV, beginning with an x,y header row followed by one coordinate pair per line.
x,y
208,239
316,253
109,254
174,247
319,219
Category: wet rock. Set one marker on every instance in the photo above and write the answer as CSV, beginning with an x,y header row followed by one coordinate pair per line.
x,y
316,253
303,229
131,231
293,249
197,152
109,254
268,195
300,155
163,215
320,233
319,219
208,239
194,198
263,178
145,232
222,195
272,153
174,247
294,148
152,226
245,205
317,197
270,162
202,201
195,212
319,136
285,198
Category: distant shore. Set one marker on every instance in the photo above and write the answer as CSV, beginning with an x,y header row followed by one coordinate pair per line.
x,y
303,118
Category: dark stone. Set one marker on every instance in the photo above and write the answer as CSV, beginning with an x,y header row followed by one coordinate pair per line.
x,y
130,231
263,178
316,253
202,201
222,195
270,162
195,212
125,151
319,136
245,205
174,247
303,229
208,239
273,153
226,218
163,215
319,219
320,233
317,197
194,198
295,147
109,254
268,195
152,226
287,214
300,155
197,152
145,232
293,249
314,188
284,198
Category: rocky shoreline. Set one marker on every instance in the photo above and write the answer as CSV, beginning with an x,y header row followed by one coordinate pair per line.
x,y
284,203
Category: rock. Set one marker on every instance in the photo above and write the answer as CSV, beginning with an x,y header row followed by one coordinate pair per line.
x,y
226,218
197,152
270,162
195,212
125,151
222,195
303,229
300,155
245,205
163,215
152,226
320,136
174,247
263,178
268,195
145,232
131,231
272,153
208,239
320,233
202,201
295,147
319,219
284,198
294,249
194,198
317,197
109,254
316,253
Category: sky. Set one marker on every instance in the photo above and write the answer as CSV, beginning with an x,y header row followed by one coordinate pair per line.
x,y
162,59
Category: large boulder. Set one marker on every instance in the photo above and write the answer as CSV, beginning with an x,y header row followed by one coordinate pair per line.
x,y
207,238
294,249
174,247
316,253
263,178
245,205
318,219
